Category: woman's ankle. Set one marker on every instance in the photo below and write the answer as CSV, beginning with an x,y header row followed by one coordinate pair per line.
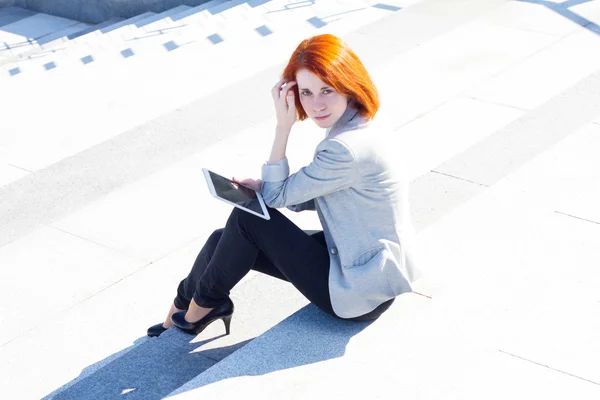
x,y
195,313
167,324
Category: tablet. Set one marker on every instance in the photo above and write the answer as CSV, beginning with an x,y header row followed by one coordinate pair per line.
x,y
235,194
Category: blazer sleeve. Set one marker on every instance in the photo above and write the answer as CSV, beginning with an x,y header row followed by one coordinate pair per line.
x,y
307,205
333,168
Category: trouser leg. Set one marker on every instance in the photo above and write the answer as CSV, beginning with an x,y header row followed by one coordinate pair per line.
x,y
276,247
187,287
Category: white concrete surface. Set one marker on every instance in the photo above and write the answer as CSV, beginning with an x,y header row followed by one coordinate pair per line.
x,y
33,45
423,78
9,174
411,352
533,17
85,333
565,179
529,83
590,10
169,209
521,274
24,32
427,141
512,273
62,271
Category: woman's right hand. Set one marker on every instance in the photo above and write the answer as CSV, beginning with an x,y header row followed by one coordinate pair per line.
x,y
285,105
254,184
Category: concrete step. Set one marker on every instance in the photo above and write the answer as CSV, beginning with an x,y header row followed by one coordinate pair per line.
x,y
9,15
40,50
102,84
167,14
254,315
159,355
39,57
20,35
140,237
237,25
197,9
99,28
116,52
227,21
36,45
24,157
63,34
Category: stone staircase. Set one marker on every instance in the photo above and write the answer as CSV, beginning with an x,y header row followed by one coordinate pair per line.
x,y
218,38
103,208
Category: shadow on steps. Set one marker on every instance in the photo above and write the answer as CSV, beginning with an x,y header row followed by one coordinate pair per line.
x,y
309,336
153,368
150,369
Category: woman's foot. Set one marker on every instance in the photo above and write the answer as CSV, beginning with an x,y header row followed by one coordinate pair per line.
x,y
195,313
167,324
158,329
188,322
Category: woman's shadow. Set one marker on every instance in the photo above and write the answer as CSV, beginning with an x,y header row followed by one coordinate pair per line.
x,y
153,368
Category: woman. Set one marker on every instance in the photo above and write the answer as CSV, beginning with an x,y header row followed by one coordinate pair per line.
x,y
362,259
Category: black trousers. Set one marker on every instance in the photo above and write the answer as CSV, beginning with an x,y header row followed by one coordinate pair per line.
x,y
276,247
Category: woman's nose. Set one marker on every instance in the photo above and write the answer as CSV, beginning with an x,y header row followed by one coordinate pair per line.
x,y
319,105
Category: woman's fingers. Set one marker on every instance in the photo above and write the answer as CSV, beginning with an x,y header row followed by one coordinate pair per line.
x,y
277,89
280,90
278,85
287,97
285,105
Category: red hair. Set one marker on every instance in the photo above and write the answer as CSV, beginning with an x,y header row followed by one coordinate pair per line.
x,y
330,59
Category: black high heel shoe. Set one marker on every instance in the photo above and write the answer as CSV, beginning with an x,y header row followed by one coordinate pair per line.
x,y
224,312
156,330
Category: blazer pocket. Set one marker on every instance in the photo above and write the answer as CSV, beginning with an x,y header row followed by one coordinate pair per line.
x,y
365,257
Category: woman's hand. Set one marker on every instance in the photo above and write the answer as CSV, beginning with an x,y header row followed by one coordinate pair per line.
x,y
285,106
254,184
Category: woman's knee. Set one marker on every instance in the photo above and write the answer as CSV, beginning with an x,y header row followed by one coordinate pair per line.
x,y
242,218
214,238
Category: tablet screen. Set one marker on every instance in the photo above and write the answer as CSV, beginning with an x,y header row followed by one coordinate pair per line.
x,y
237,194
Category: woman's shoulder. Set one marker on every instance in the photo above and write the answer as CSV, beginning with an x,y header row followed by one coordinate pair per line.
x,y
363,134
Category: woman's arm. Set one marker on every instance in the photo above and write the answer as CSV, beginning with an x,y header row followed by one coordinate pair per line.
x,y
306,206
333,168
279,144
286,117
285,110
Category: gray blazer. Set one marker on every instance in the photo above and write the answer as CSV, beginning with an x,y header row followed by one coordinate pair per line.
x,y
361,197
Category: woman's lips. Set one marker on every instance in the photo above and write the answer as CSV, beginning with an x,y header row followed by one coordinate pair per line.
x,y
323,117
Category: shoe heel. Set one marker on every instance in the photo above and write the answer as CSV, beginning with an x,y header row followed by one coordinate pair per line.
x,y
227,322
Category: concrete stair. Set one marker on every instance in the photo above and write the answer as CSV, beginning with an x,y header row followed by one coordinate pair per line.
x,y
42,53
432,84
14,14
20,35
88,76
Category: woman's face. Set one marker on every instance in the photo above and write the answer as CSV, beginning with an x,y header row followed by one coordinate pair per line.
x,y
320,101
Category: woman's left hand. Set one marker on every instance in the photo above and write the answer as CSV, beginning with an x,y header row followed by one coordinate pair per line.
x,y
285,105
254,184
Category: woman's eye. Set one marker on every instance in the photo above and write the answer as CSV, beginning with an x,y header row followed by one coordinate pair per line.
x,y
327,91
305,93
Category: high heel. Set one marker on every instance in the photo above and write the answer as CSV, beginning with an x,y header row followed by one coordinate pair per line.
x,y
224,312
227,323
